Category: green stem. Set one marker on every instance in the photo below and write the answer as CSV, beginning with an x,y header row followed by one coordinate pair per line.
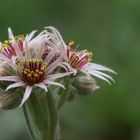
x,y
28,122
36,115
64,94
53,130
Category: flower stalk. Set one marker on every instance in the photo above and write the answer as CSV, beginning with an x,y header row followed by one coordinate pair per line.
x,y
53,117
36,115
42,116
64,94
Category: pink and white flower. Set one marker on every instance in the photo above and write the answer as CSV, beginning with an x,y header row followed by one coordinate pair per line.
x,y
29,69
75,60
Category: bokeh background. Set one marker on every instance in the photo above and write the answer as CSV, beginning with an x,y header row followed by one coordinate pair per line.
x,y
109,28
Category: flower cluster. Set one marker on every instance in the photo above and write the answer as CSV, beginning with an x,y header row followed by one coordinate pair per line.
x,y
38,61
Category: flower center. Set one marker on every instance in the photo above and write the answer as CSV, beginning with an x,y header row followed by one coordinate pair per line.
x,y
31,71
77,59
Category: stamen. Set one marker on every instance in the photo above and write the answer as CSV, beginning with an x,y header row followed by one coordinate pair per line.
x,y
71,44
77,59
8,49
31,71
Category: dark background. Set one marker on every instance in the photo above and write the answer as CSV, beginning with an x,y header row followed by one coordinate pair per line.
x,y
109,28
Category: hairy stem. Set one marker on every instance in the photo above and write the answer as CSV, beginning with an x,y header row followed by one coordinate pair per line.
x,y
36,115
64,94
53,115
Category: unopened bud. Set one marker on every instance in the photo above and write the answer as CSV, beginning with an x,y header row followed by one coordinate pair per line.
x,y
85,85
9,100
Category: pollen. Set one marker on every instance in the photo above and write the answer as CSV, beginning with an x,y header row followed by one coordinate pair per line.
x,y
71,45
31,71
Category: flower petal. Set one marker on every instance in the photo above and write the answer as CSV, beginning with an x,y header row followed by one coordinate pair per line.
x,y
43,86
18,84
58,37
8,61
105,75
27,93
29,37
50,55
10,34
95,66
55,64
53,83
9,78
69,67
27,49
94,73
60,75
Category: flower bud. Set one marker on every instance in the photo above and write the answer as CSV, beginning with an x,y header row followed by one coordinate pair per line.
x,y
9,100
85,85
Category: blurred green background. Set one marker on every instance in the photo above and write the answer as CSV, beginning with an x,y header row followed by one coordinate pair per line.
x,y
109,28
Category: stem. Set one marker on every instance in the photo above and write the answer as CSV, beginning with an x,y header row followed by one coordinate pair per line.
x,y
28,122
36,115
53,131
64,94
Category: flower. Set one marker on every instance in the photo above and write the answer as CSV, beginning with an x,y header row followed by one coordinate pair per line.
x,y
7,48
81,61
77,60
28,67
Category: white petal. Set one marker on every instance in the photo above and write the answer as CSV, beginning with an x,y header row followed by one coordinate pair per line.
x,y
60,75
58,36
50,55
64,67
69,67
105,75
98,67
35,39
18,84
8,61
55,64
10,34
9,78
29,37
27,49
53,83
41,85
26,95
94,73
40,51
